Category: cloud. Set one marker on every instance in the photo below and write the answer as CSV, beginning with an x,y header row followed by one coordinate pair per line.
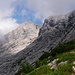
x,y
7,23
46,8
13,11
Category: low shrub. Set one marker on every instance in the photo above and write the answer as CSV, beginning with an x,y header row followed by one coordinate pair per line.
x,y
45,55
63,48
25,69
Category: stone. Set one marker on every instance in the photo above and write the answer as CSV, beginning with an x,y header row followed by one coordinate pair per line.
x,y
62,63
54,61
53,67
53,64
73,67
50,64
73,62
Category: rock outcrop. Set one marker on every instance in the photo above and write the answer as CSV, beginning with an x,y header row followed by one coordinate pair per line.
x,y
54,31
16,41
19,38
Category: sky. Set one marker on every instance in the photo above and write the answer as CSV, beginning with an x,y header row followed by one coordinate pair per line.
x,y
15,12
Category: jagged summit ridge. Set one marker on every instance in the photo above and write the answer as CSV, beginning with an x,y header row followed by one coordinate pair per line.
x,y
53,22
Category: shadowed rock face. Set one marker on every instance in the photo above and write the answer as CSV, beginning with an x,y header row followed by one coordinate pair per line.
x,y
55,30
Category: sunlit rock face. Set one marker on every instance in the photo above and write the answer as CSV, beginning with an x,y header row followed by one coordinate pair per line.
x,y
16,41
19,38
23,44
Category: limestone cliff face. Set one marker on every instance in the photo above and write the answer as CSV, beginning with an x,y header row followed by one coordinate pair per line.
x,y
55,30
61,27
19,38
16,41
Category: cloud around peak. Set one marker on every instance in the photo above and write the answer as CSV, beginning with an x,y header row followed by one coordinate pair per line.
x,y
38,10
14,12
7,23
46,8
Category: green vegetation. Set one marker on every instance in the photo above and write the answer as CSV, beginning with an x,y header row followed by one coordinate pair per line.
x,y
25,69
45,55
70,57
64,52
45,70
61,48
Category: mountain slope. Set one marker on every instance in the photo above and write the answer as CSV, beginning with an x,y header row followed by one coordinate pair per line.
x,y
64,66
19,38
54,31
61,61
16,41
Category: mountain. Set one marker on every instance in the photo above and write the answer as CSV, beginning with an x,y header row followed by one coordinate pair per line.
x,y
16,41
19,38
55,30
61,61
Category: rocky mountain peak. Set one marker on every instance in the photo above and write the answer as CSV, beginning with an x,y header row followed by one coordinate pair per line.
x,y
55,22
26,46
19,38
23,30
28,25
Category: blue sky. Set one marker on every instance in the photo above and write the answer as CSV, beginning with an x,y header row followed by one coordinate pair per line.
x,y
15,12
37,10
22,13
22,16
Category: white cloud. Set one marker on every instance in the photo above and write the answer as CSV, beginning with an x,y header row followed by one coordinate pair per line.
x,y
45,8
23,12
40,9
7,23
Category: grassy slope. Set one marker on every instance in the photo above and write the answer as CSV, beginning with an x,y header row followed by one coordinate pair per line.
x,y
64,52
61,70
